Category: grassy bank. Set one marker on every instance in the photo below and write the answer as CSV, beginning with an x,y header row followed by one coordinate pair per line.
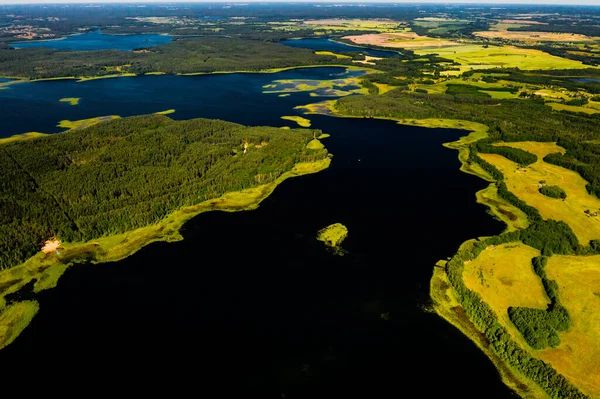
x,y
47,269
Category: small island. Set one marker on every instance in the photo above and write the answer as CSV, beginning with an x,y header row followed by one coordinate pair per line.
x,y
70,100
333,236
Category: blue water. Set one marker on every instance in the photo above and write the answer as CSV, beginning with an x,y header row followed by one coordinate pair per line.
x,y
322,44
4,80
587,80
27,107
98,41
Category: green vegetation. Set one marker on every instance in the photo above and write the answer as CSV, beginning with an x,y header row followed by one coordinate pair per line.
x,y
315,144
553,192
128,173
302,122
70,100
200,55
333,236
540,327
14,318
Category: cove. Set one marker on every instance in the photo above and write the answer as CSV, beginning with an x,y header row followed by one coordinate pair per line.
x,y
97,40
323,44
251,302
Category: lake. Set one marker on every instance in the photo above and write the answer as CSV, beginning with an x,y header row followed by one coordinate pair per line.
x,y
97,40
250,304
587,80
322,44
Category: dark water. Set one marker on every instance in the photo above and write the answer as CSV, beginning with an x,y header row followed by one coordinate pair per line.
x,y
323,44
249,304
97,40
35,106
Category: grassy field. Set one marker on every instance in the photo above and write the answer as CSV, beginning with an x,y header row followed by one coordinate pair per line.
x,y
513,217
578,355
48,268
522,36
14,318
525,183
572,108
504,277
445,305
24,136
340,25
83,123
472,56
338,56
303,122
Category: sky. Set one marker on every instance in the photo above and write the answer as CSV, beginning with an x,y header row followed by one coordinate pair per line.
x,y
565,2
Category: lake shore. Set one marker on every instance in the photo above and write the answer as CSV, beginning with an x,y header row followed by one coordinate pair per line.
x,y
442,298
44,270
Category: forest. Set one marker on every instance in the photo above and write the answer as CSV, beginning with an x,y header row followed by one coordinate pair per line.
x,y
197,55
128,173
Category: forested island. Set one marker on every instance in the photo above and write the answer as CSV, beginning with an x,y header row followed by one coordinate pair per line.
x,y
102,192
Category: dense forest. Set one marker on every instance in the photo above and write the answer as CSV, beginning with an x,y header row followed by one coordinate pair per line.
x,y
120,175
181,56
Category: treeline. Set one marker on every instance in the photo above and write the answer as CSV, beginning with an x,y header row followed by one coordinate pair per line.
x,y
583,158
553,192
517,155
182,56
500,341
125,174
540,327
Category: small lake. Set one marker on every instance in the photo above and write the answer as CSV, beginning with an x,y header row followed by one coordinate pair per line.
x,y
323,44
97,40
250,304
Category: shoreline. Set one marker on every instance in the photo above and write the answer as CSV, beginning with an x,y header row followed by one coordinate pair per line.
x,y
80,79
45,270
443,301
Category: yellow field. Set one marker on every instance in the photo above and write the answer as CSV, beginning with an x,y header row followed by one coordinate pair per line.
x,y
335,24
333,235
524,183
338,56
165,112
572,108
504,277
532,36
578,355
407,39
472,56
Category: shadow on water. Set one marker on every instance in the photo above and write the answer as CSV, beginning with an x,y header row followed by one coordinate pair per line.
x,y
251,302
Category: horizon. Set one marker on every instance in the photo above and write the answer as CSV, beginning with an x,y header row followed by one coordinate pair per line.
x,y
454,2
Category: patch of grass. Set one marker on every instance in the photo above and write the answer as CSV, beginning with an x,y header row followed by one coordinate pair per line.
x,y
70,100
525,183
500,95
332,54
445,305
24,136
83,123
384,88
572,108
333,236
87,78
166,112
578,355
514,218
14,318
303,122
509,281
315,144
